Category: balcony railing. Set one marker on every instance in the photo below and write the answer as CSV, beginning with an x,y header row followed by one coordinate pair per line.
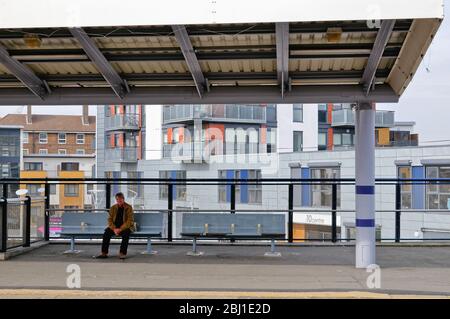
x,y
220,112
187,152
127,154
345,117
122,122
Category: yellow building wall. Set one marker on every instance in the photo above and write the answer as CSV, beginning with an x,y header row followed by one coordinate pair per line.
x,y
299,232
68,200
383,136
33,174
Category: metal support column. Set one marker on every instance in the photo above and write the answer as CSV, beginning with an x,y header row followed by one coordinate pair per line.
x,y
4,222
108,195
291,214
333,212
27,228
365,184
47,213
398,212
169,211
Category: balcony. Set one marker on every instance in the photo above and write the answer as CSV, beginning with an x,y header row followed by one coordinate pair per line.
x,y
185,152
127,154
346,117
217,112
128,122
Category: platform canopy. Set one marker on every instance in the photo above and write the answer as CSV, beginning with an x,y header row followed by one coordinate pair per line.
x,y
65,52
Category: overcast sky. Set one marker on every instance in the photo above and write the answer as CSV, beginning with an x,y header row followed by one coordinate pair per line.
x,y
426,101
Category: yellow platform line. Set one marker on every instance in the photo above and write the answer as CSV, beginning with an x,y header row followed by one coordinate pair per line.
x,y
179,294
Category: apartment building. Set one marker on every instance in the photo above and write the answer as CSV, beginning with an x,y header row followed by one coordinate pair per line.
x,y
57,146
192,135
336,128
10,153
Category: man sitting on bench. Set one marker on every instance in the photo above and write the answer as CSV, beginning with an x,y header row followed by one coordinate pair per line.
x,y
120,223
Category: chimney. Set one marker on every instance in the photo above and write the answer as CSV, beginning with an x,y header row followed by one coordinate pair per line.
x,y
29,115
85,115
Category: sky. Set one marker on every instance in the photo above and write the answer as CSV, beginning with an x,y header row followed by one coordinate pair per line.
x,y
426,100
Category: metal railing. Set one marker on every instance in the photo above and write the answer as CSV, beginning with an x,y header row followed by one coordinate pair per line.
x,y
122,122
346,117
122,154
108,185
217,112
22,221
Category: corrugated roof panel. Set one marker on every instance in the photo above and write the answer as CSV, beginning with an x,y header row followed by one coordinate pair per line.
x,y
64,68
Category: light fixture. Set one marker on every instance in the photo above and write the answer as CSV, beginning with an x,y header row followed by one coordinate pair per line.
x,y
32,40
334,34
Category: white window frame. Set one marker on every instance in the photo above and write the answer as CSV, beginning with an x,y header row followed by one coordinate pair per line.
x,y
80,141
25,151
25,137
80,151
41,151
62,141
62,153
43,141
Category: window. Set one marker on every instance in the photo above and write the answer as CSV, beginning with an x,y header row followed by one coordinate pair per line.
x,y
321,193
254,192
25,137
33,189
323,118
271,140
438,195
80,151
343,139
298,141
43,138
71,190
70,166
52,189
25,151
298,112
43,151
5,170
223,188
62,151
33,166
89,188
180,189
405,189
80,138
135,190
322,144
61,138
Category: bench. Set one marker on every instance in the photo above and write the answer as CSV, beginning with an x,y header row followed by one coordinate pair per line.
x,y
233,226
92,225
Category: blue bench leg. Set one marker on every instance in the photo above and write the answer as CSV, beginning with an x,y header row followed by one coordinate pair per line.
x,y
194,251
272,252
149,250
72,249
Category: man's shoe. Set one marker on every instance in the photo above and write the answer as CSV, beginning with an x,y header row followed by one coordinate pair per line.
x,y
122,256
101,256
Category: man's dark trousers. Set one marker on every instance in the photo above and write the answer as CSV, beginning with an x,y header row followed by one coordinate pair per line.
x,y
125,234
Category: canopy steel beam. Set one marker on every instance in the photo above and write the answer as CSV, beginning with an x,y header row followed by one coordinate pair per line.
x,y
217,95
212,76
118,85
190,57
140,31
282,43
379,46
24,74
